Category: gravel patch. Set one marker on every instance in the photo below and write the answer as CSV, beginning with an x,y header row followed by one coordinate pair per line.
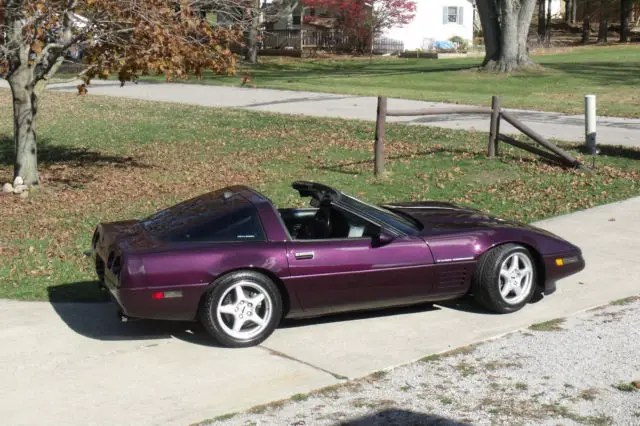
x,y
572,371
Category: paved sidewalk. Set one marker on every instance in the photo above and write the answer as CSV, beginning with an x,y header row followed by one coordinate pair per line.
x,y
76,364
611,130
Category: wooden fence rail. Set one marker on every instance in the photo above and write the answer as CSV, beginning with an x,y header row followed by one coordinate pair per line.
x,y
439,111
556,154
566,158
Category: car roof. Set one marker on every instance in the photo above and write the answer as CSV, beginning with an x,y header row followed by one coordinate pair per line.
x,y
250,194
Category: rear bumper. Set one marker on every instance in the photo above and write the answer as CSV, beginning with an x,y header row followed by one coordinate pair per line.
x,y
140,302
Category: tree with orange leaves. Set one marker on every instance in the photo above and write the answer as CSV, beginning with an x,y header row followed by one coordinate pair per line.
x,y
124,37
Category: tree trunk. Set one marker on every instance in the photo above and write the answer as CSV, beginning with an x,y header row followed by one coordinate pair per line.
x,y
509,35
508,60
547,26
567,10
626,8
586,23
524,24
604,21
542,24
488,14
253,32
574,11
25,108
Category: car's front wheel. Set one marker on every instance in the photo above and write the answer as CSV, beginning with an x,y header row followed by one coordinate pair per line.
x,y
505,278
242,309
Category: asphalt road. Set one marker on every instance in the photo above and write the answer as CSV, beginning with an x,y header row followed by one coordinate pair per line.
x,y
76,364
610,130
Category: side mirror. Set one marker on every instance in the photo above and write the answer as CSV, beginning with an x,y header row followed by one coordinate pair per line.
x,y
383,237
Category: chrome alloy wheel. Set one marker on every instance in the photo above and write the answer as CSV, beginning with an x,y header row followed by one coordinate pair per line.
x,y
516,278
244,310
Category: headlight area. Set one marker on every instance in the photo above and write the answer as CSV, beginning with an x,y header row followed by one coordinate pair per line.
x,y
565,261
562,265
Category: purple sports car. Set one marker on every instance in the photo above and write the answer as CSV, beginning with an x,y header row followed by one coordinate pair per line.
x,y
237,264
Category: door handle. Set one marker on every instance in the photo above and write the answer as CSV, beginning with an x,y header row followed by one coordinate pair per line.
x,y
304,255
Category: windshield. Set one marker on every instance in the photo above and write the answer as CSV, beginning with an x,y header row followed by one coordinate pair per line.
x,y
383,215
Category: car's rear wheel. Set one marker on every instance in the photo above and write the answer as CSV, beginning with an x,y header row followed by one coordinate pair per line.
x,y
505,278
242,309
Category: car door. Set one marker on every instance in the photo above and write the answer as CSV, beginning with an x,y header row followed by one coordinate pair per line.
x,y
335,275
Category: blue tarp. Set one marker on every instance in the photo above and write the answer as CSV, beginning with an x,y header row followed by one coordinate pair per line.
x,y
444,45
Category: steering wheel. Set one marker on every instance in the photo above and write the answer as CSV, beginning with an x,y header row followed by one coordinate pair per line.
x,y
320,226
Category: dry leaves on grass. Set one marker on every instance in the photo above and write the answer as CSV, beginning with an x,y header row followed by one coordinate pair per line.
x,y
56,213
536,197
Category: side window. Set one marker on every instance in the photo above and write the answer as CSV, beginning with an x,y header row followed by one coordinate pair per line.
x,y
358,227
239,224
347,225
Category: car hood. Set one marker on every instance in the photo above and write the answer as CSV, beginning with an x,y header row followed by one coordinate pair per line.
x,y
438,218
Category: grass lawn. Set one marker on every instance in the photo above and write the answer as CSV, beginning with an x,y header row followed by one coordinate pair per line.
x,y
610,72
106,159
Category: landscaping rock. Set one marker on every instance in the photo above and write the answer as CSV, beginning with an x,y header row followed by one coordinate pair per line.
x,y
18,181
18,189
7,187
24,194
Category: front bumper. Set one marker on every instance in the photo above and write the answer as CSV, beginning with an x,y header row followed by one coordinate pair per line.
x,y
561,265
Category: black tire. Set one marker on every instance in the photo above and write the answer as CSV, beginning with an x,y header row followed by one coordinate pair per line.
x,y
486,279
208,313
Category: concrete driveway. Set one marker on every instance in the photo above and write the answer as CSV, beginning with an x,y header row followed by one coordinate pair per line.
x,y
76,364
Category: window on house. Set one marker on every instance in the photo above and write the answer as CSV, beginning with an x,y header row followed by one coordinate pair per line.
x,y
296,19
452,15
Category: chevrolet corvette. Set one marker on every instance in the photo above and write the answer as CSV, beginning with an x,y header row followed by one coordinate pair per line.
x,y
233,261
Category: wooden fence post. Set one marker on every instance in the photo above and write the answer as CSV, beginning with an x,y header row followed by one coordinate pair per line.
x,y
379,143
302,11
494,129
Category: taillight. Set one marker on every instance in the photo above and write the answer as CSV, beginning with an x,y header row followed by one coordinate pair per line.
x,y
157,295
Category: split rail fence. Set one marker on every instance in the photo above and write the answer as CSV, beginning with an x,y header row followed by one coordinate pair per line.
x,y
496,113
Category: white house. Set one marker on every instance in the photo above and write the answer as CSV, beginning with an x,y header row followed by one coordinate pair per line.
x,y
436,20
